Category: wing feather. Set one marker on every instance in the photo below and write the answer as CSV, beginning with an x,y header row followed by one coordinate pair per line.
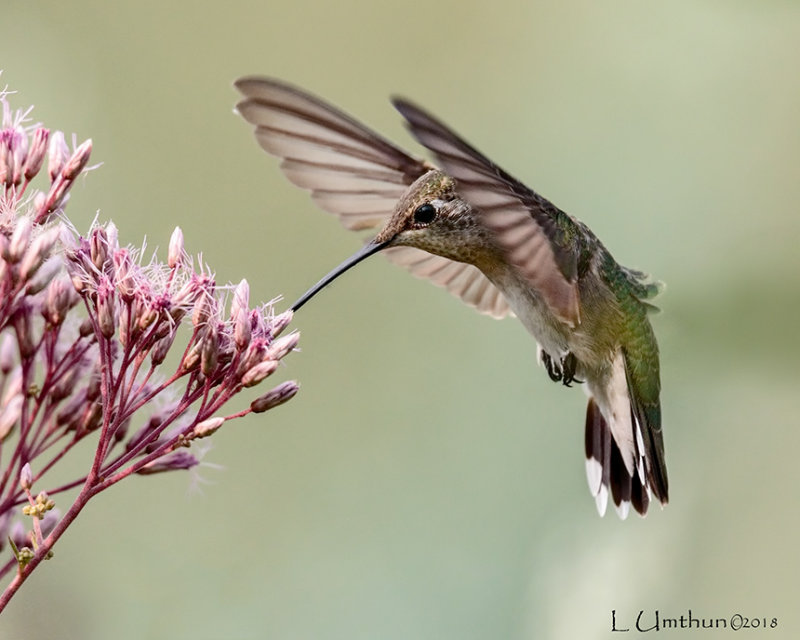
x,y
528,227
472,287
353,173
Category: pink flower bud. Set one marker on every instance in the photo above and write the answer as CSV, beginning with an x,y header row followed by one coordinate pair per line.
x,y
161,349
92,417
9,415
177,314
20,239
207,427
106,308
37,152
206,304
62,182
86,328
143,433
280,322
21,320
192,358
277,396
241,299
60,298
98,247
44,276
26,477
125,324
18,147
241,328
112,233
210,349
283,346
259,372
124,272
122,430
93,389
77,161
175,253
177,460
66,385
254,354
58,154
146,312
6,159
38,252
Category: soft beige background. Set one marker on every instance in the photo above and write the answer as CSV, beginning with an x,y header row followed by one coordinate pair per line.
x,y
428,483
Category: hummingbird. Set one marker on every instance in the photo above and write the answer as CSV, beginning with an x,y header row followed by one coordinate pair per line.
x,y
471,227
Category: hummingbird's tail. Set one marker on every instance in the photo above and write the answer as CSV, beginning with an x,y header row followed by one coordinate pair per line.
x,y
624,445
606,471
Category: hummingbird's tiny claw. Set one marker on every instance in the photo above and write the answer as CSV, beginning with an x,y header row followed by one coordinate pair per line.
x,y
569,365
553,371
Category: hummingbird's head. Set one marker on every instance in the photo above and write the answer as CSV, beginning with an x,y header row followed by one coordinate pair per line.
x,y
432,216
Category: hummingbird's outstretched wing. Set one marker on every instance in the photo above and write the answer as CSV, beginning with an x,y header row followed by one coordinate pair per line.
x,y
534,232
352,172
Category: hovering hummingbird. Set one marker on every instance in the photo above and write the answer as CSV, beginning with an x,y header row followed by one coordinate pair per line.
x,y
472,228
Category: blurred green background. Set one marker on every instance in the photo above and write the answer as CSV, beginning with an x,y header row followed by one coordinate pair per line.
x,y
428,482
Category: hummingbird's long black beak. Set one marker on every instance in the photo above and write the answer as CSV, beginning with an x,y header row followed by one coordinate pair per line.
x,y
365,252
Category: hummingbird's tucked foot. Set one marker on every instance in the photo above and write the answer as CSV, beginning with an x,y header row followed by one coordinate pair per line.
x,y
565,373
473,228
553,371
568,366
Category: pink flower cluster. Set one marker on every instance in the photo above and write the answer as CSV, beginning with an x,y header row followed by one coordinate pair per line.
x,y
140,357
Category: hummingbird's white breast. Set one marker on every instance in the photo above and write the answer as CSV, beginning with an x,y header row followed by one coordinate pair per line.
x,y
551,334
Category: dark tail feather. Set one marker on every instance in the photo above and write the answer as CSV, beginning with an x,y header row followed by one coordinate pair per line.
x,y
606,471
639,496
649,421
621,482
598,456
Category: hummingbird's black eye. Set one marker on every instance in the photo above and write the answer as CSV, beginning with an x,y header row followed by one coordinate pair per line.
x,y
425,213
